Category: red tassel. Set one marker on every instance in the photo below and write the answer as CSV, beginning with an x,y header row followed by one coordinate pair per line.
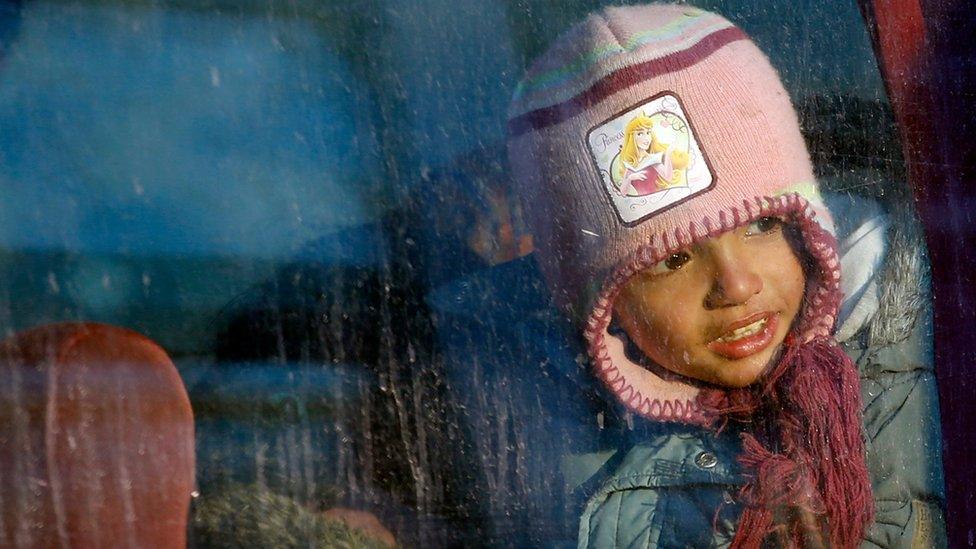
x,y
815,487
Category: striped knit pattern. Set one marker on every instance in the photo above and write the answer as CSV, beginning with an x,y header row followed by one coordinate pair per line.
x,y
622,78
577,68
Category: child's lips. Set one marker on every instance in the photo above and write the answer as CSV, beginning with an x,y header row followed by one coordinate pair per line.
x,y
747,336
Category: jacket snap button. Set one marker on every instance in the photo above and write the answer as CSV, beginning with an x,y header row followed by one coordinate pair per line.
x,y
706,460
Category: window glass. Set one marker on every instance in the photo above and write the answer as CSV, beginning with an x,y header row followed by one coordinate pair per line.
x,y
308,206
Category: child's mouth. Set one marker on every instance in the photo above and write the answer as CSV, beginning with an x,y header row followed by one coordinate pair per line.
x,y
746,337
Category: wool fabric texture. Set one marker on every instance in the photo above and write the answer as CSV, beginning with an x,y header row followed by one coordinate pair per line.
x,y
748,160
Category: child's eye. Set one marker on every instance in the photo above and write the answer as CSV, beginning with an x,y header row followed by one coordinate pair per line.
x,y
763,225
672,263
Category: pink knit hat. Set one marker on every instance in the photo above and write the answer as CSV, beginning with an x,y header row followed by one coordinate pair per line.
x,y
726,150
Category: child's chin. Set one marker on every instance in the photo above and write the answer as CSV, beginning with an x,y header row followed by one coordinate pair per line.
x,y
738,382
738,374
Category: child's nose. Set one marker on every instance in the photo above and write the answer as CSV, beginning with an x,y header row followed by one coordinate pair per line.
x,y
735,279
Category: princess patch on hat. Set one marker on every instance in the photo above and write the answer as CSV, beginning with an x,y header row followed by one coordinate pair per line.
x,y
649,159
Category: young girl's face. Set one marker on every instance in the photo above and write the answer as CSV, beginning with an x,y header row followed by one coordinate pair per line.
x,y
720,311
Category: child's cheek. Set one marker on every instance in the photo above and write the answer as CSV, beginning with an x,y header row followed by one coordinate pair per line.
x,y
663,322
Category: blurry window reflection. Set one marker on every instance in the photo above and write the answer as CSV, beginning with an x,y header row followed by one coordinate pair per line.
x,y
307,205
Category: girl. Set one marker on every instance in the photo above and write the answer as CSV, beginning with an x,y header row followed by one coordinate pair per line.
x,y
710,313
